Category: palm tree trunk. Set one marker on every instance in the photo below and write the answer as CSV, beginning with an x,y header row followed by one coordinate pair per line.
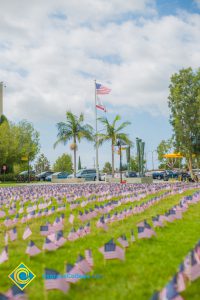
x,y
113,161
74,156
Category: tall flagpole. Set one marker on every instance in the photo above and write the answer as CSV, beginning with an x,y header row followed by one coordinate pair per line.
x,y
97,146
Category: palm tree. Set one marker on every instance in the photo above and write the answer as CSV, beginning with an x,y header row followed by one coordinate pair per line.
x,y
73,129
112,134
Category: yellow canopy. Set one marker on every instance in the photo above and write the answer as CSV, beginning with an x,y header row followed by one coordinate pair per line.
x,y
173,155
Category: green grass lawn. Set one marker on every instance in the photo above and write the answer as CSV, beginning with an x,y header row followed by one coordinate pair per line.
x,y
148,266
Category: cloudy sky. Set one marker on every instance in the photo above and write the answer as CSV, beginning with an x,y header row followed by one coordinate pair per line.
x,y
52,50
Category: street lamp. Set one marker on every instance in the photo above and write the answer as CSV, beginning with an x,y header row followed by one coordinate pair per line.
x,y
120,143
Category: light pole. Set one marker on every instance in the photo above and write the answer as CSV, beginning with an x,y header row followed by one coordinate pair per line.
x,y
119,144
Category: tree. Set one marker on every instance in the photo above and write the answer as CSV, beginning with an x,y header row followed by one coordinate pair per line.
x,y
184,104
79,163
16,141
42,164
28,140
107,167
73,129
134,164
113,133
63,164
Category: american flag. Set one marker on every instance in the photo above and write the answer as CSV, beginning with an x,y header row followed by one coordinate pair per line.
x,y
72,273
6,238
71,219
57,283
44,230
49,245
60,240
170,292
111,251
123,241
15,294
4,255
32,250
180,282
27,233
13,234
83,265
89,258
132,236
102,90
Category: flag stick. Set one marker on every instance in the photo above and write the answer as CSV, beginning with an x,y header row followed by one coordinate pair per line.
x,y
97,146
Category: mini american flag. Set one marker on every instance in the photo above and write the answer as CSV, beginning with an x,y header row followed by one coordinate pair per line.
x,y
71,219
49,245
102,90
13,234
83,265
73,273
44,230
56,283
27,233
111,251
89,258
32,250
132,236
6,238
60,240
4,255
16,294
123,241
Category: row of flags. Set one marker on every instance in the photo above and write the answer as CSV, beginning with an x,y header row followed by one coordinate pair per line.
x,y
55,239
188,271
53,280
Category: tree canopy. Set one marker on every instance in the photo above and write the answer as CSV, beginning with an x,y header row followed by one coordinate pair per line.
x,y
63,164
184,104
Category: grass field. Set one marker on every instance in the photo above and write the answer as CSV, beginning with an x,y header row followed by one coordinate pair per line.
x,y
148,266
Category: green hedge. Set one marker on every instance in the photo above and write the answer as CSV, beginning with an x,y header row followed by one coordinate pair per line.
x,y
8,177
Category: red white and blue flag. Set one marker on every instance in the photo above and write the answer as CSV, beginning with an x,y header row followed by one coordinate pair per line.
x,y
101,89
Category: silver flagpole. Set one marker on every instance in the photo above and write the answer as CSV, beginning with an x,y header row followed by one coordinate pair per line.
x,y
97,146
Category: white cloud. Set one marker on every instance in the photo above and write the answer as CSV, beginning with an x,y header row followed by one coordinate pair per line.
x,y
197,2
43,58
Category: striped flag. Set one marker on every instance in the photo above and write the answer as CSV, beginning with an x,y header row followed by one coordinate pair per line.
x,y
102,90
71,219
15,294
123,241
49,245
53,281
73,273
83,264
32,250
111,251
27,233
13,234
100,105
4,255
89,258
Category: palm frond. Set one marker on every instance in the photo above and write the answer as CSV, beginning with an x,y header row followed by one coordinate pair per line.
x,y
122,126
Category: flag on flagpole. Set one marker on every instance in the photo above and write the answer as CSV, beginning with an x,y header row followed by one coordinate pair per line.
x,y
102,90
100,105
